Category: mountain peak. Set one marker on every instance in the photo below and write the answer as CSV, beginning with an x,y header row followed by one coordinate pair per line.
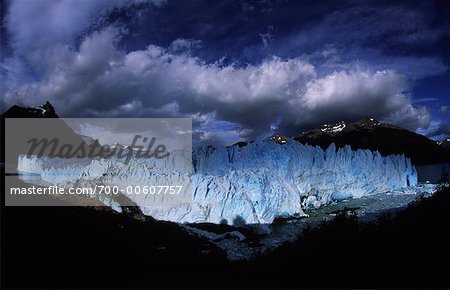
x,y
445,142
279,139
368,133
366,123
47,109
44,111
368,120
333,128
48,105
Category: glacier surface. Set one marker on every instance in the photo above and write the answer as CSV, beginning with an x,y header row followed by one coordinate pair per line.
x,y
253,184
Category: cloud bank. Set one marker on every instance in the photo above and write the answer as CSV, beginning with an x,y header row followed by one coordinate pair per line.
x,y
227,101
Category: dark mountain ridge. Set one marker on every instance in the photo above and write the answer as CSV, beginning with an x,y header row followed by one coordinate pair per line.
x,y
45,111
366,133
371,134
445,143
48,126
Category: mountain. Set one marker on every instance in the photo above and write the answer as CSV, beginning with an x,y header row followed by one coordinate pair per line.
x,y
44,111
367,133
47,125
371,134
445,143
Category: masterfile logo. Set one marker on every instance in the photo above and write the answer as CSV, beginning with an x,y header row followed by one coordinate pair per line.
x,y
112,162
39,147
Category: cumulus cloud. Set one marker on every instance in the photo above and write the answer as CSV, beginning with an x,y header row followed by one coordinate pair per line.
x,y
40,30
38,24
181,45
101,80
227,102
351,94
373,33
442,129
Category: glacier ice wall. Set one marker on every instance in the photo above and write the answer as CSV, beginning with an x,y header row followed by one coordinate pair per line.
x,y
251,184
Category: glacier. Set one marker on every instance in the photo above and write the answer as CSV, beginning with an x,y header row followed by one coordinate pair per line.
x,y
252,184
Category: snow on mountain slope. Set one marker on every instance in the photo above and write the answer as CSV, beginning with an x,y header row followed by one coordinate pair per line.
x,y
333,128
250,184
371,134
44,111
444,143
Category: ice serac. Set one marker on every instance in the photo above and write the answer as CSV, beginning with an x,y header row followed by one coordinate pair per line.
x,y
255,183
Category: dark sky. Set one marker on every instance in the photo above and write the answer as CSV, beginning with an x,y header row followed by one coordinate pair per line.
x,y
240,69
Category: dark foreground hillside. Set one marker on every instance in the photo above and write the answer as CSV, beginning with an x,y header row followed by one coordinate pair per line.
x,y
409,250
74,247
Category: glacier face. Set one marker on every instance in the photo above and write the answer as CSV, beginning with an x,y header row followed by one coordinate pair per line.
x,y
251,184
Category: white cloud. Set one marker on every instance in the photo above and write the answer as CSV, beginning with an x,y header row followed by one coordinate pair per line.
x,y
99,79
42,23
356,93
182,45
345,88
